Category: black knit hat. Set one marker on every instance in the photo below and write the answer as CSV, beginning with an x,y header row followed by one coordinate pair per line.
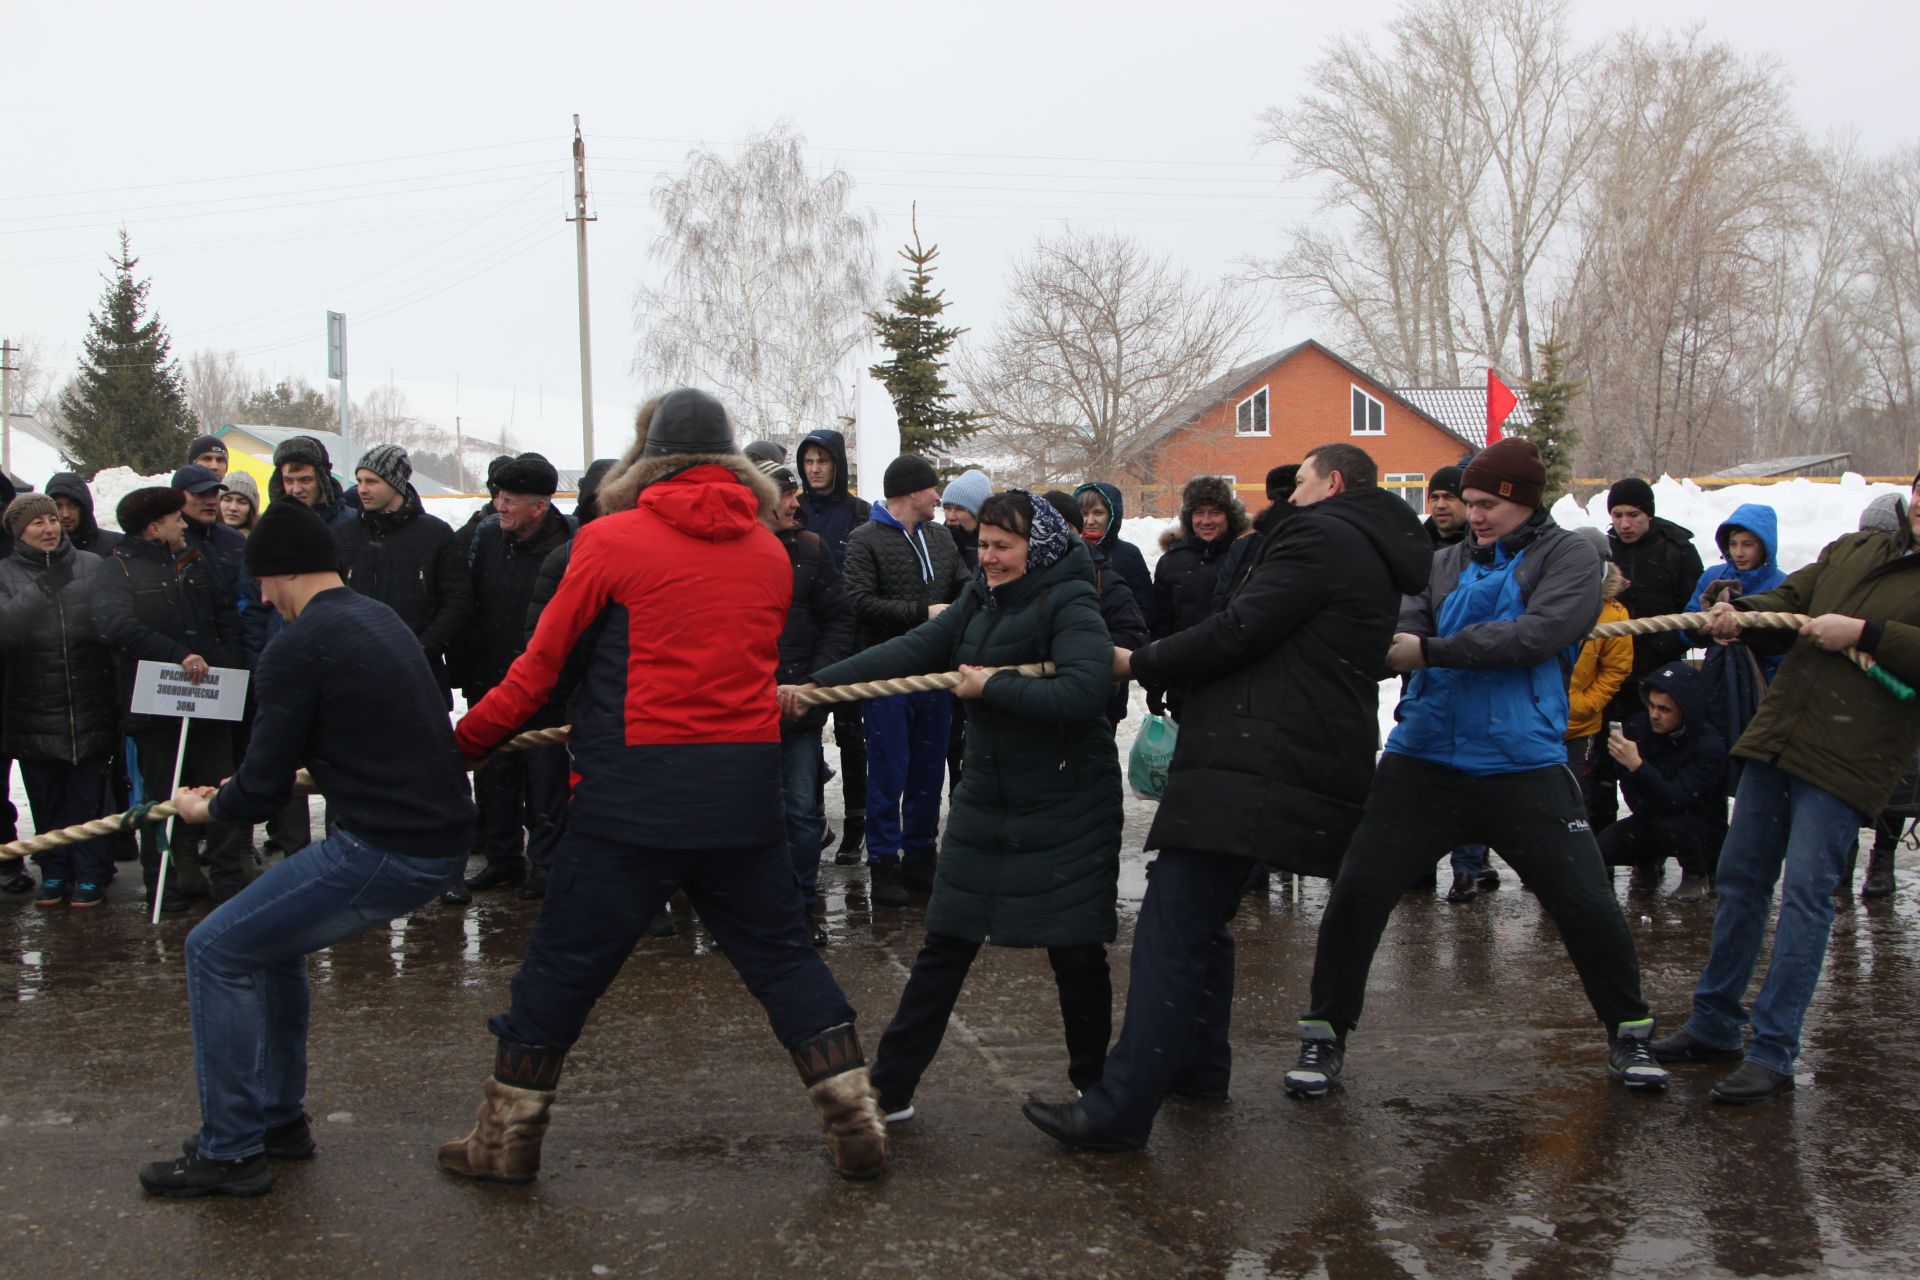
x,y
143,506
688,421
206,445
290,538
390,462
529,473
780,473
1446,480
1631,492
493,472
907,474
1510,469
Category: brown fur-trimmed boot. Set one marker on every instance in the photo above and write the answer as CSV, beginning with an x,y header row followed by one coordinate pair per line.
x,y
835,1073
504,1145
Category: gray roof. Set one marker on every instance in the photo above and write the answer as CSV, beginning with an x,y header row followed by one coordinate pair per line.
x,y
1764,467
1463,410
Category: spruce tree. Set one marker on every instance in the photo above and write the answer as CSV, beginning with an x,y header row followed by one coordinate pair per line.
x,y
910,329
290,404
1552,394
127,407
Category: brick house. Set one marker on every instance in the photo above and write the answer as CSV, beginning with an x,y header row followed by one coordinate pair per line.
x,y
1274,409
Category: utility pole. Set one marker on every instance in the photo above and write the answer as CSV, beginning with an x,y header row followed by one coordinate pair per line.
x,y
580,219
459,456
6,403
337,368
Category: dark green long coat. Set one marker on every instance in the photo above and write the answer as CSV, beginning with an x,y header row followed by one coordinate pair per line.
x,y
1031,854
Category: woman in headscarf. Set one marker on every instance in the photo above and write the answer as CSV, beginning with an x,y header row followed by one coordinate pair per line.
x,y
1031,853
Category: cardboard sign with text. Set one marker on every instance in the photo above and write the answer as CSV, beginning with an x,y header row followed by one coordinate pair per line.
x,y
162,689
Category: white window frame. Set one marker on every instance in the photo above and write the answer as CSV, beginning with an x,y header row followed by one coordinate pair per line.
x,y
1265,411
1410,485
1373,408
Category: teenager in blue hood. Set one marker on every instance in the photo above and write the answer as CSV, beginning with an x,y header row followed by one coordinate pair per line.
x,y
1749,540
1102,510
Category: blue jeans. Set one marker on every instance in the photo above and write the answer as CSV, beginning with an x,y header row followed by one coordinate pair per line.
x,y
1778,820
906,769
806,824
1469,859
247,976
600,896
1179,994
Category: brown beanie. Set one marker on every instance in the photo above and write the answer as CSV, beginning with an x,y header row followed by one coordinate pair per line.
x,y
1511,470
25,509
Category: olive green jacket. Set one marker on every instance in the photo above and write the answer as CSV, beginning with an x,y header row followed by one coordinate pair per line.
x,y
1824,720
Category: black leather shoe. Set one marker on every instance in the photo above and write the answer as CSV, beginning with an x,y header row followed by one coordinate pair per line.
x,y
1066,1122
1751,1083
458,896
498,875
1681,1047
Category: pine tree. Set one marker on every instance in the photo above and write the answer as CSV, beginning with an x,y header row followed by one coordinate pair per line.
x,y
127,407
290,404
1552,394
910,329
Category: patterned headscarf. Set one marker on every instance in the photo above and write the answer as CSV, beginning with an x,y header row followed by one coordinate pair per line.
x,y
1049,538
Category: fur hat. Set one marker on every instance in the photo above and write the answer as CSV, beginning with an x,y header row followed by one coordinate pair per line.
x,y
1212,491
143,506
1510,469
529,473
1631,492
390,463
290,538
302,451
25,509
907,474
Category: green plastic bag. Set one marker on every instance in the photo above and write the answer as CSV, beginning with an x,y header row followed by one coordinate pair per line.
x,y
1152,756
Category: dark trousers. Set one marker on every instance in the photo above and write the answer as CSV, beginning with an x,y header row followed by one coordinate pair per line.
x,y
806,825
1602,786
850,738
601,895
926,1006
209,760
64,795
523,799
9,815
956,745
1417,810
906,765
1634,841
1179,994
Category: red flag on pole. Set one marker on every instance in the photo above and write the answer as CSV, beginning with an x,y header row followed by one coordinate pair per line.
x,y
1500,403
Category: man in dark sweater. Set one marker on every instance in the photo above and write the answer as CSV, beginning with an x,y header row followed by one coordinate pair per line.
x,y
345,690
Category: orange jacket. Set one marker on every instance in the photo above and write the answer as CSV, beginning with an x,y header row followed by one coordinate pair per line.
x,y
1601,669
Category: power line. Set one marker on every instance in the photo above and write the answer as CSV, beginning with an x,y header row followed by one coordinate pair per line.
x,y
961,155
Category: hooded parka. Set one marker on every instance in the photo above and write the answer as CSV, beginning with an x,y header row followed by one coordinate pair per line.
x,y
1031,853
1124,556
89,536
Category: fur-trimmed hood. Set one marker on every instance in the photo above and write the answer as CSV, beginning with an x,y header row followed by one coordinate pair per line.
x,y
633,473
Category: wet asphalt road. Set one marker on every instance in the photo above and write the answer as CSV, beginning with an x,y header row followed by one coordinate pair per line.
x,y
1475,1134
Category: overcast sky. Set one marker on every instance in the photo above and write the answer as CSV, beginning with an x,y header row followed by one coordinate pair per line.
x,y
410,165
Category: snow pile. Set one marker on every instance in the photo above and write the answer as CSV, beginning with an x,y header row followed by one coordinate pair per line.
x,y
115,483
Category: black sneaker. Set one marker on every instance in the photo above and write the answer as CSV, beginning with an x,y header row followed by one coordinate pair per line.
x,y
1630,1058
191,1175
888,888
849,853
53,893
290,1141
1321,1055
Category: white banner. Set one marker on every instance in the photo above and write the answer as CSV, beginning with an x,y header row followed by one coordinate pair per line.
x,y
162,689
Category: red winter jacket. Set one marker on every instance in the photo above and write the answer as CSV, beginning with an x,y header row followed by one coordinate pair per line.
x,y
676,730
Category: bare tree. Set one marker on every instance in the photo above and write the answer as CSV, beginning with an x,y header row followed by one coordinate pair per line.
x,y
1097,340
1452,156
217,385
769,275
1889,330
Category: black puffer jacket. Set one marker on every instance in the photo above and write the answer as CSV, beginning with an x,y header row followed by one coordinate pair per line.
x,y
819,628
1277,743
886,581
1031,853
89,536
409,561
1184,580
152,605
60,701
1244,551
1681,781
505,568
1661,570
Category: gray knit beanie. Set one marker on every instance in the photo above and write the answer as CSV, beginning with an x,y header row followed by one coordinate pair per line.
x,y
968,490
390,463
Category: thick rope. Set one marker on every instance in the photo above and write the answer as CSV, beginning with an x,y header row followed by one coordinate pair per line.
x,y
161,810
1773,621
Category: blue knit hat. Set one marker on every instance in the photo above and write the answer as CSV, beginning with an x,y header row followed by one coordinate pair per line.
x,y
968,490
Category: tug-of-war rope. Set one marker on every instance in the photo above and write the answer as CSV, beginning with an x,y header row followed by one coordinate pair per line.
x,y
161,810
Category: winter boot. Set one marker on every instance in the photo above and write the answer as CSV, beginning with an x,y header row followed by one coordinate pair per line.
x,y
1692,887
916,870
504,1145
835,1074
887,887
1879,882
849,853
